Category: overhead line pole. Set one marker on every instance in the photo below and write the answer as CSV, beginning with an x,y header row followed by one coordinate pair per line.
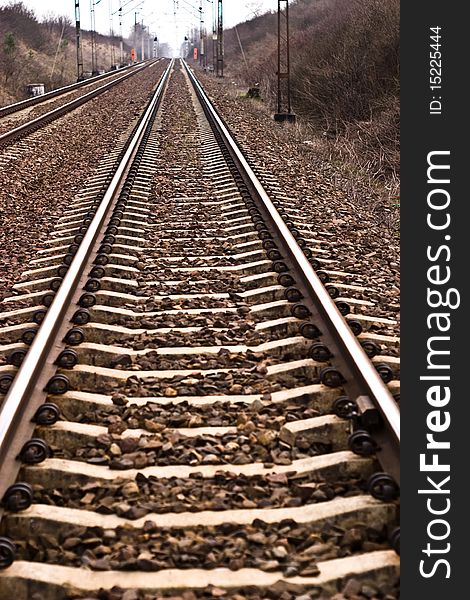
x,y
284,112
201,36
214,38
111,33
121,42
142,55
220,39
135,37
121,14
94,68
79,42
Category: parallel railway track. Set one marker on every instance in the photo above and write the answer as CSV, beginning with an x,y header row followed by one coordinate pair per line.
x,y
16,118
194,413
29,102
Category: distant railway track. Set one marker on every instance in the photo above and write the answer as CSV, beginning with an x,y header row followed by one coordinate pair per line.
x,y
192,399
9,134
22,104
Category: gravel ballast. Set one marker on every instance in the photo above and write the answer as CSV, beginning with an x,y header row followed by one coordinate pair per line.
x,y
38,184
338,203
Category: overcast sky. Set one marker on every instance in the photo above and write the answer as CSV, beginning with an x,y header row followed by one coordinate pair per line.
x,y
158,14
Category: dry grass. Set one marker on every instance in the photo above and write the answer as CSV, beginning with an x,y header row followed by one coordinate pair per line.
x,y
33,51
344,74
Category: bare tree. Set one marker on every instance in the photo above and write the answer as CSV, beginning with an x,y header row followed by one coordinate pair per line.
x,y
255,8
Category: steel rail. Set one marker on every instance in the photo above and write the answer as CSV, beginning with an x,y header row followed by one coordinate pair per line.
x,y
355,355
18,132
17,106
23,386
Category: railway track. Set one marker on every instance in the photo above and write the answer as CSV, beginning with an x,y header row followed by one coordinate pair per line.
x,y
194,414
29,102
20,119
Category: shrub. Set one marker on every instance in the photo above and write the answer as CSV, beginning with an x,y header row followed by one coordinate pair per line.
x,y
344,69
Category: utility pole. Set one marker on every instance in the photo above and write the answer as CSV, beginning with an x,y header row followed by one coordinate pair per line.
x,y
201,35
241,48
111,34
94,68
214,46
121,44
79,43
135,36
142,47
220,39
284,112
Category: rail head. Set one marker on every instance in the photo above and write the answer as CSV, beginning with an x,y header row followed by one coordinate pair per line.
x,y
355,354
